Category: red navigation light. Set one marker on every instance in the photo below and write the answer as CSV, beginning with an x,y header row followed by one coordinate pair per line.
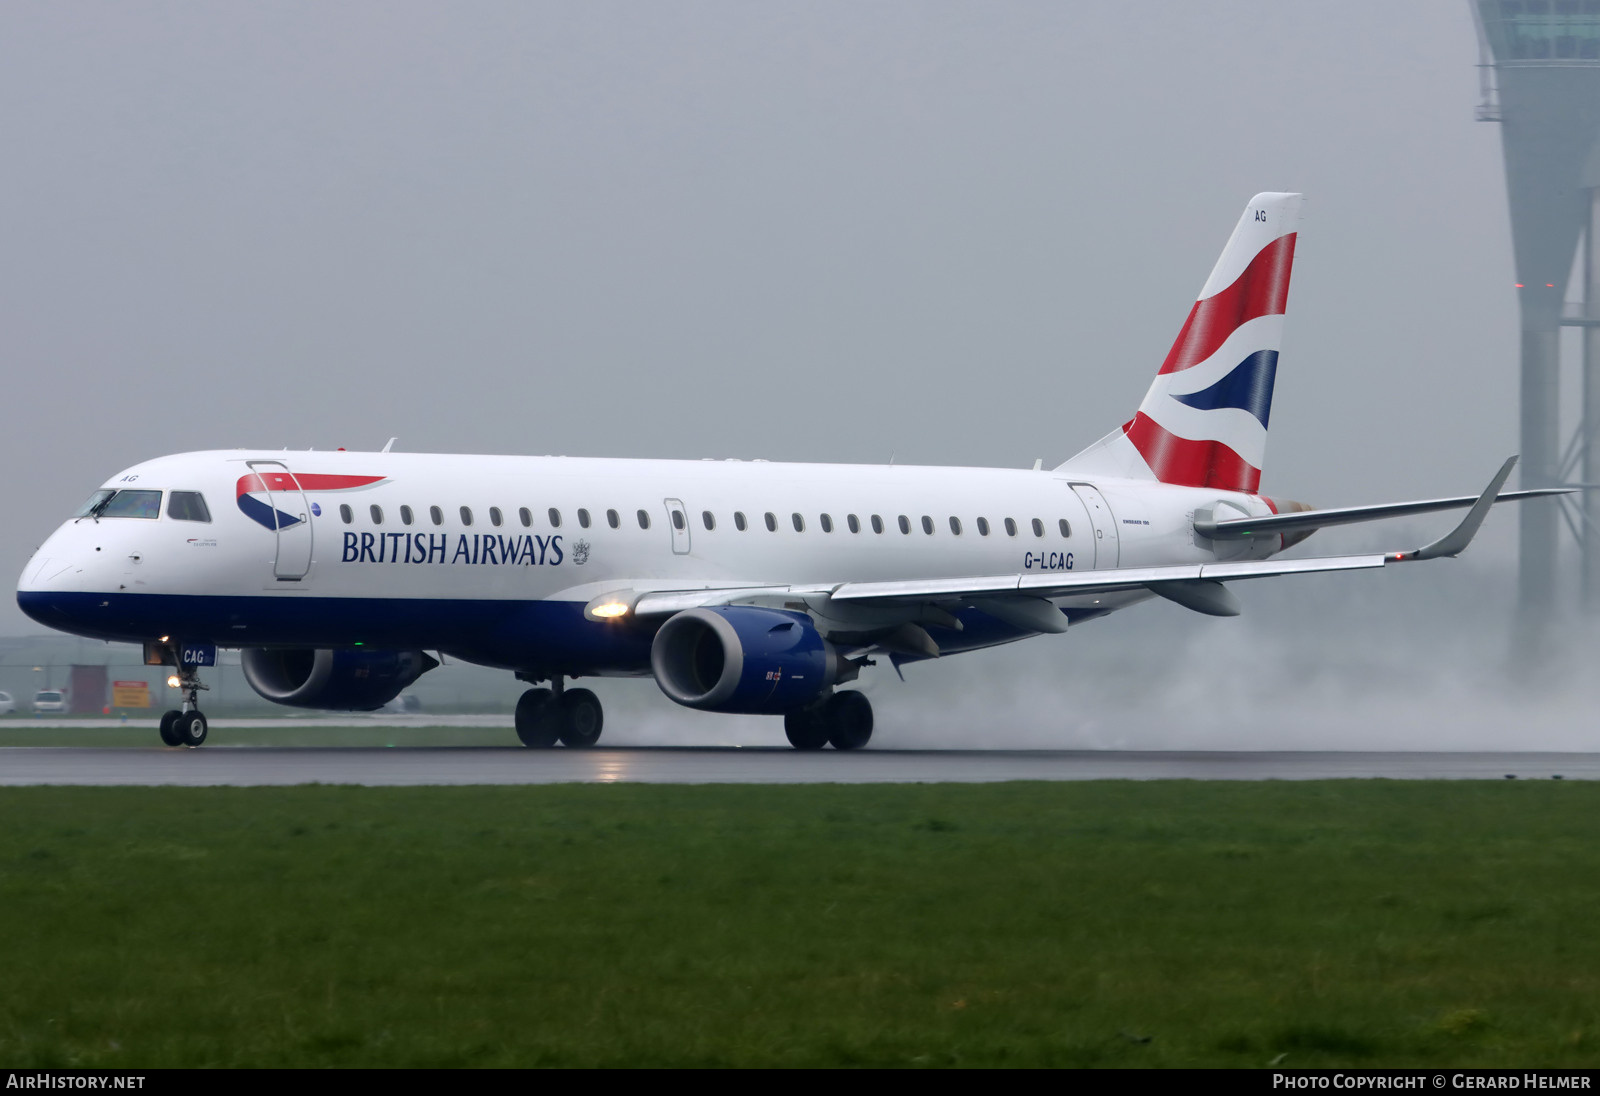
x,y
1519,285
1549,285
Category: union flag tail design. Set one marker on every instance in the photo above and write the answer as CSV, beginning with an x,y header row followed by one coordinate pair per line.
x,y
1203,423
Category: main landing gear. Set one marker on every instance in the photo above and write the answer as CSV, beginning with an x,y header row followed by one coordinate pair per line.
x,y
186,726
571,716
844,719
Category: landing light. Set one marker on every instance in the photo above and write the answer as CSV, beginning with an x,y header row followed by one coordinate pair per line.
x,y
173,682
611,606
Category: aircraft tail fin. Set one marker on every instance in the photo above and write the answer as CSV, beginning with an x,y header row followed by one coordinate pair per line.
x,y
1203,423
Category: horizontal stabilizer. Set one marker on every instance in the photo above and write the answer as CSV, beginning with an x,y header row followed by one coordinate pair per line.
x,y
1309,521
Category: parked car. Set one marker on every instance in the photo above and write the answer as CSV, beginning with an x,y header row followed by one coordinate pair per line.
x,y
49,700
7,705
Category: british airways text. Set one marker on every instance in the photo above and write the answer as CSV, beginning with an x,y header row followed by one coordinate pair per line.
x,y
518,551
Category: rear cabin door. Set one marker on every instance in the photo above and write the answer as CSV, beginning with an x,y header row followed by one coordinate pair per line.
x,y
678,522
1107,548
288,515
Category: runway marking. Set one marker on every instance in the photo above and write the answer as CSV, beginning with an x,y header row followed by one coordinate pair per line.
x,y
254,766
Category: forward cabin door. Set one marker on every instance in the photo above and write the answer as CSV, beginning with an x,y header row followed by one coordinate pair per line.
x,y
678,522
1107,548
289,518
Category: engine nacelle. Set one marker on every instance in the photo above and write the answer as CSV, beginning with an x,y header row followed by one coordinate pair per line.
x,y
742,658
346,681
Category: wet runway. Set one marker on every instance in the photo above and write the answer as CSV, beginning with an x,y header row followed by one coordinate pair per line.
x,y
257,766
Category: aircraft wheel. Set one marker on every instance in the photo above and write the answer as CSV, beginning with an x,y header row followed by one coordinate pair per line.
x,y
806,728
581,718
538,719
848,717
190,727
169,734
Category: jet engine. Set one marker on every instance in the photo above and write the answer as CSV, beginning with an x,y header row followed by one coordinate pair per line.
x,y
346,681
743,658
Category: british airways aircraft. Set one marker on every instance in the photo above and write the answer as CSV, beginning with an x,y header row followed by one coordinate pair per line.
x,y
740,586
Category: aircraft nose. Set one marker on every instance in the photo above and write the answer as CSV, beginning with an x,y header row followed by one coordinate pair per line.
x,y
42,572
49,582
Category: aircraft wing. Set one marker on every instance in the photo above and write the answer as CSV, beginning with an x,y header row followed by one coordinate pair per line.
x,y
1017,597
1065,583
1020,596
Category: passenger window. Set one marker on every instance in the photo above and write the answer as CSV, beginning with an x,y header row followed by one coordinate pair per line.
x,y
466,515
377,513
346,514
525,516
955,525
927,525
405,515
983,527
827,523
710,522
494,515
678,521
1011,528
905,524
799,523
877,524
612,519
644,519
1038,527
187,506
583,518
436,515
772,522
1066,530
555,518
738,520
854,523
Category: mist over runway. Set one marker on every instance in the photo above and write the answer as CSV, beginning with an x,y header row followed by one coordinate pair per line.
x,y
277,766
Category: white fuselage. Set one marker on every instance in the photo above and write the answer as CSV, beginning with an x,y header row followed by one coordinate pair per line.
x,y
455,552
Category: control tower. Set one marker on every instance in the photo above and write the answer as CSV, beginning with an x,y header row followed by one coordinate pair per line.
x,y
1540,61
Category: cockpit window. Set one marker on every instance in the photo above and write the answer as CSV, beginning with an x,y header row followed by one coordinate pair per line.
x,y
95,501
133,504
187,506
122,504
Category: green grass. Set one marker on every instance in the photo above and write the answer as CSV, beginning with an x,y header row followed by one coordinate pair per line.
x,y
1067,924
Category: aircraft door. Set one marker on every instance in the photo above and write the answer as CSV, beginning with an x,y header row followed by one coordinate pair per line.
x,y
678,522
1107,548
288,514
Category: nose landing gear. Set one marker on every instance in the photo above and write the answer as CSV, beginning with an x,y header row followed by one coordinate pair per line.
x,y
186,726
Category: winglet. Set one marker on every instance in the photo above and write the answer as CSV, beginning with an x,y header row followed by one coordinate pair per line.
x,y
1453,542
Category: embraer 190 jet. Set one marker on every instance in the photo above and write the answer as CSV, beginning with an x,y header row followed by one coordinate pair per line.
x,y
739,586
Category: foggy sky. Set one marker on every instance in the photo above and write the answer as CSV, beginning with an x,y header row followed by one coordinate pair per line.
x,y
959,233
